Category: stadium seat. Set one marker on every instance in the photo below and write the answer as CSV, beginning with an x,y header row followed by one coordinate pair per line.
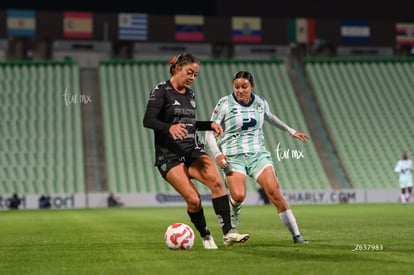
x,y
366,104
43,136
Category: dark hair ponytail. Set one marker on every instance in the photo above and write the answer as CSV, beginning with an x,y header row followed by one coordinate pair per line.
x,y
181,60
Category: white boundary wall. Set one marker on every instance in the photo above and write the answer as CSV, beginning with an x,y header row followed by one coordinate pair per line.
x,y
98,200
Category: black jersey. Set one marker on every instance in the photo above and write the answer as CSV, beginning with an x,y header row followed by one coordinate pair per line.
x,y
166,106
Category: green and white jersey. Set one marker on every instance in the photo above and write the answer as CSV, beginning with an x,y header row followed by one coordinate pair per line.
x,y
242,125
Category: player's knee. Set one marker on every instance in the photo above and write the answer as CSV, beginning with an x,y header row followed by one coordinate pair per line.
x,y
217,187
238,195
193,203
215,183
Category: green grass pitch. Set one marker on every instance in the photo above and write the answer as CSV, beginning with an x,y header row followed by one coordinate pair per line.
x,y
344,239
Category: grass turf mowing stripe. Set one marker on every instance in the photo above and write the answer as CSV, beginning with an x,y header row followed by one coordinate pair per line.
x,y
130,241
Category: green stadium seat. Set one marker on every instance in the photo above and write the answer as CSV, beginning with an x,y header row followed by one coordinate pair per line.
x,y
40,131
366,108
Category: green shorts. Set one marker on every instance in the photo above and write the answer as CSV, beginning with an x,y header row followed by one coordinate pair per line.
x,y
251,164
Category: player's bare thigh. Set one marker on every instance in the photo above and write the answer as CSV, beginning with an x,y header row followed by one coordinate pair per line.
x,y
179,178
204,170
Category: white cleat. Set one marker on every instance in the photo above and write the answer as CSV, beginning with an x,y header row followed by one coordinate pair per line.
x,y
234,237
208,242
300,240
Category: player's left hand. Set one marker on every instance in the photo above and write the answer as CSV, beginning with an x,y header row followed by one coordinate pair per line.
x,y
217,128
221,161
301,136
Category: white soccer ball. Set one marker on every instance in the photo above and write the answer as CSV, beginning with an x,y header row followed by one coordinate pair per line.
x,y
179,236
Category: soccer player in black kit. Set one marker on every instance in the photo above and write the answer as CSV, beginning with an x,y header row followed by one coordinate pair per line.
x,y
180,157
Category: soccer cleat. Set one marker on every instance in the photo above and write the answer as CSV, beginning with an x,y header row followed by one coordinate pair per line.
x,y
208,242
234,237
234,215
300,240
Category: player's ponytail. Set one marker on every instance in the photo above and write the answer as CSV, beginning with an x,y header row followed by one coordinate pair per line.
x,y
181,60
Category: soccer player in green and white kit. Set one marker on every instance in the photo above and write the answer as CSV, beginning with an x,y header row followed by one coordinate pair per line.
x,y
241,151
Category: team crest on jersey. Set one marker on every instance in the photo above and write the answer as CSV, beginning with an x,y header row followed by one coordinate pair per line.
x,y
259,106
193,103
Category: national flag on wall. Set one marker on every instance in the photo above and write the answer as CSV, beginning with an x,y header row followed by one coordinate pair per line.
x,y
189,28
355,32
404,33
21,22
133,26
301,30
246,29
77,24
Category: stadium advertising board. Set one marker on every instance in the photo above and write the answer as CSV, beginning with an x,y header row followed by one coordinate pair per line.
x,y
99,200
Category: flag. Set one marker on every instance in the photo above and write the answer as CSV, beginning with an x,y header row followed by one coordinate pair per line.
x,y
246,29
355,32
189,28
301,30
133,26
21,22
404,33
77,24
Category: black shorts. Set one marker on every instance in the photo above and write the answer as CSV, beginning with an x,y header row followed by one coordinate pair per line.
x,y
187,159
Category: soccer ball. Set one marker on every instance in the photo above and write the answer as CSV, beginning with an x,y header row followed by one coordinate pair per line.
x,y
179,236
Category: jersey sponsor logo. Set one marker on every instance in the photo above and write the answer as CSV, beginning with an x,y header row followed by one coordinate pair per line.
x,y
184,112
248,122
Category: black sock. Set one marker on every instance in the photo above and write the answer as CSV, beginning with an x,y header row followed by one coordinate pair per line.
x,y
199,221
222,210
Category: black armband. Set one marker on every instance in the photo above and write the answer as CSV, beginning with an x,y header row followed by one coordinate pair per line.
x,y
203,125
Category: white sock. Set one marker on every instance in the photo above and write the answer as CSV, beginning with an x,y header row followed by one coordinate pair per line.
x,y
402,198
235,204
289,220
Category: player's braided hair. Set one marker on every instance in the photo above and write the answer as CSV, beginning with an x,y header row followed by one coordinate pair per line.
x,y
181,60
